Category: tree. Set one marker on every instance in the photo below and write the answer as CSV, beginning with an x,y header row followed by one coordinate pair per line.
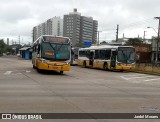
x,y
134,41
104,42
2,46
9,49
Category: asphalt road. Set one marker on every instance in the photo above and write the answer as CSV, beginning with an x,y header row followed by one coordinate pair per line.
x,y
81,90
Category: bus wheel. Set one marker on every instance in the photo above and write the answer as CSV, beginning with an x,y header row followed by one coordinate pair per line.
x,y
84,64
61,72
105,66
39,70
34,67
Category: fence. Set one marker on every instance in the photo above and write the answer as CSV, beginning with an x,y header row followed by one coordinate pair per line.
x,y
148,67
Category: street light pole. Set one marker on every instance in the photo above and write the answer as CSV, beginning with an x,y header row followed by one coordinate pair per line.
x,y
158,39
98,36
153,29
144,36
117,33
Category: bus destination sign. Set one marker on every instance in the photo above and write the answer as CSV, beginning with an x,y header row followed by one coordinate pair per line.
x,y
56,39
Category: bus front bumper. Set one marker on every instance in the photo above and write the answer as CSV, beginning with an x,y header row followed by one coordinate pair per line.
x,y
45,66
125,67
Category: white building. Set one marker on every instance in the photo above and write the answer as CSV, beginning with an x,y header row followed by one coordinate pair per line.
x,y
53,26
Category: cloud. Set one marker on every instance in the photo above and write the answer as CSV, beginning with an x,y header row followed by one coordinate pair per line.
x,y
133,16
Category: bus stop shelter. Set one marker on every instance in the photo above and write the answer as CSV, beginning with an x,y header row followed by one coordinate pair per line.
x,y
26,53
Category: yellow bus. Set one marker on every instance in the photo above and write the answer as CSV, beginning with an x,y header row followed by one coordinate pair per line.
x,y
51,53
108,57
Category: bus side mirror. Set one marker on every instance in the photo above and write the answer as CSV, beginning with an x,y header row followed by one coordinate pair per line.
x,y
38,48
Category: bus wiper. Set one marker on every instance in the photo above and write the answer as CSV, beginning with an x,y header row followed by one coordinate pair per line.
x,y
59,48
124,56
52,48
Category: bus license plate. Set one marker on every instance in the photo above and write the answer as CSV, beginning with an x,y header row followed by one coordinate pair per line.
x,y
55,67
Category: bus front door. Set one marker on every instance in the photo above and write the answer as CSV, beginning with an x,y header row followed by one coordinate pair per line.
x,y
113,59
91,60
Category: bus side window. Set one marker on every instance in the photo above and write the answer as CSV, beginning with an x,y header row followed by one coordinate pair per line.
x,y
96,54
108,54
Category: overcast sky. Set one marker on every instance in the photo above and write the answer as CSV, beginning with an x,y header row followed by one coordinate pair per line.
x,y
17,17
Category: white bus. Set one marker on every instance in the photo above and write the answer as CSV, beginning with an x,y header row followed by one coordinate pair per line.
x,y
51,53
108,57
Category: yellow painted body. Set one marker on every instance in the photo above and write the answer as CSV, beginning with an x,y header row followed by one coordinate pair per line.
x,y
125,67
51,65
100,65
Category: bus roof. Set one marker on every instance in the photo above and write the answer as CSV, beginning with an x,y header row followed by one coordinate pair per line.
x,y
103,47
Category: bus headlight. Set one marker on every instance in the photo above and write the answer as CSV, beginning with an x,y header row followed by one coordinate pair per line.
x,y
66,63
43,60
119,64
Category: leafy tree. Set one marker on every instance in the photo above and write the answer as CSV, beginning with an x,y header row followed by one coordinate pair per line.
x,y
9,49
134,41
104,42
5,48
2,46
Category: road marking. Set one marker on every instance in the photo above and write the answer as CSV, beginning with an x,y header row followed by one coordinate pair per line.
x,y
139,77
134,75
152,79
28,71
124,77
8,72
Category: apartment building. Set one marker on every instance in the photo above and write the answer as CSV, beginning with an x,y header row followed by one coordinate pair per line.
x,y
80,29
71,27
53,26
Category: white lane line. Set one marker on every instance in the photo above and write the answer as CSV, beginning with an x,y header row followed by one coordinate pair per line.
x,y
134,75
139,77
8,72
28,71
152,79
124,77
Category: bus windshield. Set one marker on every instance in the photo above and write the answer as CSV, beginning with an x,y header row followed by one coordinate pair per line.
x,y
126,55
55,51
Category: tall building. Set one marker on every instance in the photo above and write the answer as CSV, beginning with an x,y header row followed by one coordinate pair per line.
x,y
53,26
80,29
71,27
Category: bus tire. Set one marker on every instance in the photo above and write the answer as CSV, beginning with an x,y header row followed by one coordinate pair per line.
x,y
39,70
34,67
84,64
61,72
105,66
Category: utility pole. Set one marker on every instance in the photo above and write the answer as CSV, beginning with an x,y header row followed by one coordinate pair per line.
x,y
158,39
19,39
144,36
117,33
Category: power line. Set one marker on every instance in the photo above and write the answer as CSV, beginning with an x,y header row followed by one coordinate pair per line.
x,y
134,24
